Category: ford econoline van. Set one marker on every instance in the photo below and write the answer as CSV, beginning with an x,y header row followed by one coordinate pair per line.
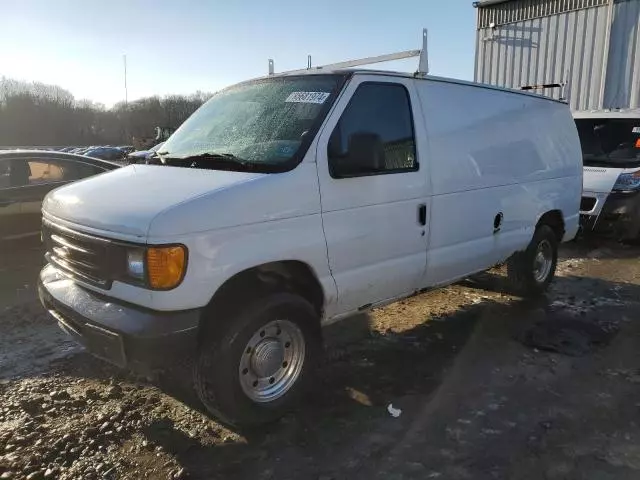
x,y
292,201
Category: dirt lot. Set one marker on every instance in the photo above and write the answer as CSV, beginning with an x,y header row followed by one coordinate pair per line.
x,y
490,387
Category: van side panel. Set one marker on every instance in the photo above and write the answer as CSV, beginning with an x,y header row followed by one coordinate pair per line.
x,y
494,154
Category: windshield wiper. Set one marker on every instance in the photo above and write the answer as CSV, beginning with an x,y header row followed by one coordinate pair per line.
x,y
206,156
212,160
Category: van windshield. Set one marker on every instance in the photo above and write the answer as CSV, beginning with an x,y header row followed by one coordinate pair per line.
x,y
264,125
610,142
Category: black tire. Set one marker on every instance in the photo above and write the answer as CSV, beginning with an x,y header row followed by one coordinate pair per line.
x,y
521,266
216,369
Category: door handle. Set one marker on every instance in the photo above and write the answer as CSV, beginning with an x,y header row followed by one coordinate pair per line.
x,y
422,214
6,203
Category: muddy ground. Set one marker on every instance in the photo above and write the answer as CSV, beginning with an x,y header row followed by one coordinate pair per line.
x,y
489,387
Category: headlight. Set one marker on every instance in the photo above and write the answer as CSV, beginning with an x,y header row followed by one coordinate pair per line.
x,y
159,268
135,264
628,181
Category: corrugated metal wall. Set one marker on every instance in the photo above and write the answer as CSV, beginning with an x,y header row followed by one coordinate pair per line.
x,y
520,10
574,45
623,70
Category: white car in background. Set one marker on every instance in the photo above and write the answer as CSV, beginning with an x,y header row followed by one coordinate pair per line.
x,y
611,156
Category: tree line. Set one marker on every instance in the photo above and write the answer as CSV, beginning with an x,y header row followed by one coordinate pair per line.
x,y
36,114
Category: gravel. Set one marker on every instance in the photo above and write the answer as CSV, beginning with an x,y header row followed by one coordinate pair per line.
x,y
65,415
57,426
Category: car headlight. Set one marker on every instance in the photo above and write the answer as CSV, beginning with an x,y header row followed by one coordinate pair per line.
x,y
135,264
628,181
158,267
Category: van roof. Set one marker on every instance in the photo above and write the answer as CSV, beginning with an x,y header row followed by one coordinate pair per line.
x,y
630,113
389,73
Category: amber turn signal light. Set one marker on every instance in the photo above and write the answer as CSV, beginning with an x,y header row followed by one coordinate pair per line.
x,y
166,266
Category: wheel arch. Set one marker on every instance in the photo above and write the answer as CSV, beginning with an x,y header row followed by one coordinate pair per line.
x,y
554,219
292,276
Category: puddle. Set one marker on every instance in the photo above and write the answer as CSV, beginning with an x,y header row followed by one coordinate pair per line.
x,y
563,333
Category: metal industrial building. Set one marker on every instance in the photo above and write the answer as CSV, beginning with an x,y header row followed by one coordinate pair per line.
x,y
593,45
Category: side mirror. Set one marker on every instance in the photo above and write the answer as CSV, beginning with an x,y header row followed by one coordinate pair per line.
x,y
365,155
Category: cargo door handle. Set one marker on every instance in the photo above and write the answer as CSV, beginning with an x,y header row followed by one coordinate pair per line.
x,y
422,214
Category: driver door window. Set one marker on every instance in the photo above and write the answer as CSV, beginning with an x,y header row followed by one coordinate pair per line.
x,y
379,116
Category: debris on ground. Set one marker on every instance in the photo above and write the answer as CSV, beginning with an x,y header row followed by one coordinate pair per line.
x,y
394,412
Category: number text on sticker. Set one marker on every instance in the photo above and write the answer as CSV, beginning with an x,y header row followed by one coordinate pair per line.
x,y
307,97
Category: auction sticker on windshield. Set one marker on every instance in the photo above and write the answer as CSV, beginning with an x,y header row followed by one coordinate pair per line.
x,y
307,97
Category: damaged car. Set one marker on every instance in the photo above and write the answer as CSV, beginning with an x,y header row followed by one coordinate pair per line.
x,y
611,156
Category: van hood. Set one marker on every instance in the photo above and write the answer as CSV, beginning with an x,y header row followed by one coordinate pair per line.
x,y
602,179
127,200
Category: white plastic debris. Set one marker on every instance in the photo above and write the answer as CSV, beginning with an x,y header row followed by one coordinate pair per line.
x,y
394,412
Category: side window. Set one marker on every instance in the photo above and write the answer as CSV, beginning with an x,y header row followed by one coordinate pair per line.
x,y
79,170
17,171
375,133
45,171
55,171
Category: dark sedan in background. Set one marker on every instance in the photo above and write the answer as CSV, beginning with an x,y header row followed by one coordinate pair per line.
x,y
27,176
106,153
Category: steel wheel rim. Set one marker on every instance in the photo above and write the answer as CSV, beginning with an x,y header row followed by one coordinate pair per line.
x,y
272,361
543,261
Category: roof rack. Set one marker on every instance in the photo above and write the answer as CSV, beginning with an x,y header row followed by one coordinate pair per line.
x,y
423,65
564,95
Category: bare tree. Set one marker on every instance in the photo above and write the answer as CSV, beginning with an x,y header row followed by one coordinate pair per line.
x,y
38,114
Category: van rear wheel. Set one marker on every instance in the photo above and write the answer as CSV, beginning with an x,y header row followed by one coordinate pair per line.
x,y
531,271
254,370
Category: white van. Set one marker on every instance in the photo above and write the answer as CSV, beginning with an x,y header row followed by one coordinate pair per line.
x,y
292,201
611,154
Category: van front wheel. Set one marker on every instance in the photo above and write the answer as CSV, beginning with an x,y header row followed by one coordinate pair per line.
x,y
253,370
531,271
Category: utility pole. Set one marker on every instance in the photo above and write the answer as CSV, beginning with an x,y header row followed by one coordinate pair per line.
x,y
126,93
126,102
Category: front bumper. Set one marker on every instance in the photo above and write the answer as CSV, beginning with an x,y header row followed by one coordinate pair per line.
x,y
619,215
121,334
592,203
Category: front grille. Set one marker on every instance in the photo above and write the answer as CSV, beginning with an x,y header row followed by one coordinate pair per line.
x,y
587,204
78,255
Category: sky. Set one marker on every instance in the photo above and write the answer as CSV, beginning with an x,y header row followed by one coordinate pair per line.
x,y
180,46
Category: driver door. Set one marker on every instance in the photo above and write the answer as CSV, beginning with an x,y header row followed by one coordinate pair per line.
x,y
375,218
